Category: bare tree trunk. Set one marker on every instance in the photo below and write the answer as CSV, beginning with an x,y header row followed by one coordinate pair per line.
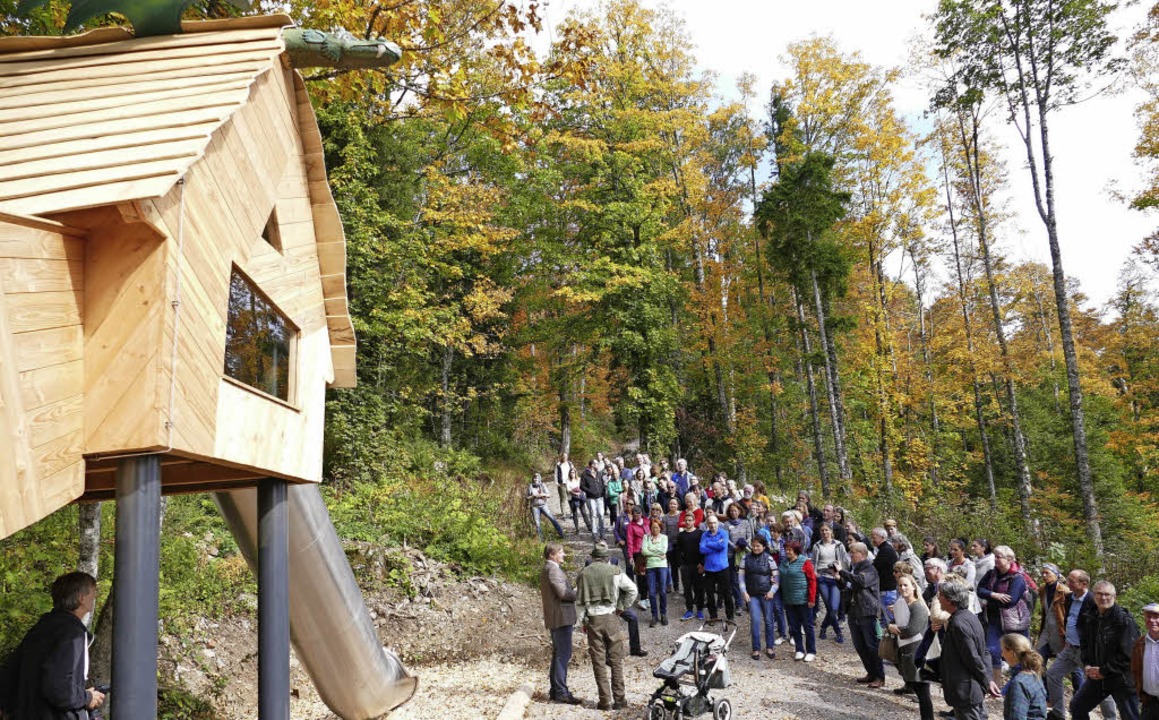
x,y
1036,80
968,328
1070,356
1049,337
923,337
833,387
564,422
445,435
818,442
89,522
882,343
970,146
766,308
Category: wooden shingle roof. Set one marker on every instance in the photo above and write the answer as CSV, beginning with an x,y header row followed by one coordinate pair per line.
x,y
102,118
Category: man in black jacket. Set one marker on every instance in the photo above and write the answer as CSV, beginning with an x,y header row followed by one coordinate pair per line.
x,y
50,665
1108,636
965,661
864,603
883,563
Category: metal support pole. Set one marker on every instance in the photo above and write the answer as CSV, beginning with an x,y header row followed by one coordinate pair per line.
x,y
138,579
273,601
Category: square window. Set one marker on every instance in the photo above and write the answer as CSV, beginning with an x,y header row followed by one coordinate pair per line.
x,y
259,340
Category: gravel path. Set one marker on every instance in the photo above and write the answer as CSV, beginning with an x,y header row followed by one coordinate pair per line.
x,y
472,646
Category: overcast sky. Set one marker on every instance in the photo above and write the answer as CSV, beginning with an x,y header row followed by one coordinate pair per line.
x,y
1092,142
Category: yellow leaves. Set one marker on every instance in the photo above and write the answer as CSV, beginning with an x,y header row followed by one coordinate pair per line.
x,y
485,301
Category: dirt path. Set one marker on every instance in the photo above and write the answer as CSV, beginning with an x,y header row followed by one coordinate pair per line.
x,y
474,641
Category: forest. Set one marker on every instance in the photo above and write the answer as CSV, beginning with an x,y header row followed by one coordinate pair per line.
x,y
796,284
800,285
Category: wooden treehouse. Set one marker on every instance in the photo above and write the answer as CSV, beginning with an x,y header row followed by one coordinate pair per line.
x,y
173,304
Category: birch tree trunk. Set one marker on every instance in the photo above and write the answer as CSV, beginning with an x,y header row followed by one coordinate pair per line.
x,y
833,386
806,353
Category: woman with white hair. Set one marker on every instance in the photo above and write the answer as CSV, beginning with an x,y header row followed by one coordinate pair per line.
x,y
905,552
1007,611
793,530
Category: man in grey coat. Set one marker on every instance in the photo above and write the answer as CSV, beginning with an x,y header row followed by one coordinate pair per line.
x,y
965,661
559,619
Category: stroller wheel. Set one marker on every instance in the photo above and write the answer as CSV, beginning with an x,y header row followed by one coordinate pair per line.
x,y
656,711
722,710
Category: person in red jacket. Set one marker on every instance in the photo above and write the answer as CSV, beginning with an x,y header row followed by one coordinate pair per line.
x,y
636,531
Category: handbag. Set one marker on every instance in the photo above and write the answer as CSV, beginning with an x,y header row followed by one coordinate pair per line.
x,y
887,648
1016,618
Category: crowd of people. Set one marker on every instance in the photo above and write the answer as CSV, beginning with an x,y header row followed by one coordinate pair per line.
x,y
962,618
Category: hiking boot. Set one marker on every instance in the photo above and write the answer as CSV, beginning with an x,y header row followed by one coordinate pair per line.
x,y
876,683
688,615
864,680
639,653
663,619
604,705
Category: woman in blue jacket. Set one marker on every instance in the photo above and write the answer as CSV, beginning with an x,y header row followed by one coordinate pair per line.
x,y
714,548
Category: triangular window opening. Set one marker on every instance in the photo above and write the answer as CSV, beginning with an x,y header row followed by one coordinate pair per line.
x,y
271,234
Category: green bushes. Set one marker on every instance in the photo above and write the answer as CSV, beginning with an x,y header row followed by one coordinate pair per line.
x,y
458,522
1138,595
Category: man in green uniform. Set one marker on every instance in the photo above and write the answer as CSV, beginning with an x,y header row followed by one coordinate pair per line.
x,y
603,591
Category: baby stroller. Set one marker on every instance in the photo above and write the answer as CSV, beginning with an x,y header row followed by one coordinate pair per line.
x,y
698,664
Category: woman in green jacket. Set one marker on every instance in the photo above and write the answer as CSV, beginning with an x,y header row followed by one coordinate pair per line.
x,y
655,551
614,487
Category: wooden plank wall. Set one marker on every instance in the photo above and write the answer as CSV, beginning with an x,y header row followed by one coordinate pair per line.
x,y
253,165
41,370
125,308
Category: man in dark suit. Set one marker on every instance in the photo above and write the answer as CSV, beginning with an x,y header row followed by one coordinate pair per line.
x,y
965,661
559,619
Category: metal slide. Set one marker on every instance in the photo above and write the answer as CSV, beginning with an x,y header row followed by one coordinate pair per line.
x,y
330,627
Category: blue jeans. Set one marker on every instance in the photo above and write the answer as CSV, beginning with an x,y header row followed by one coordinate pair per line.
x,y
801,618
994,640
629,616
831,596
734,582
536,512
560,657
761,613
863,632
779,615
658,586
